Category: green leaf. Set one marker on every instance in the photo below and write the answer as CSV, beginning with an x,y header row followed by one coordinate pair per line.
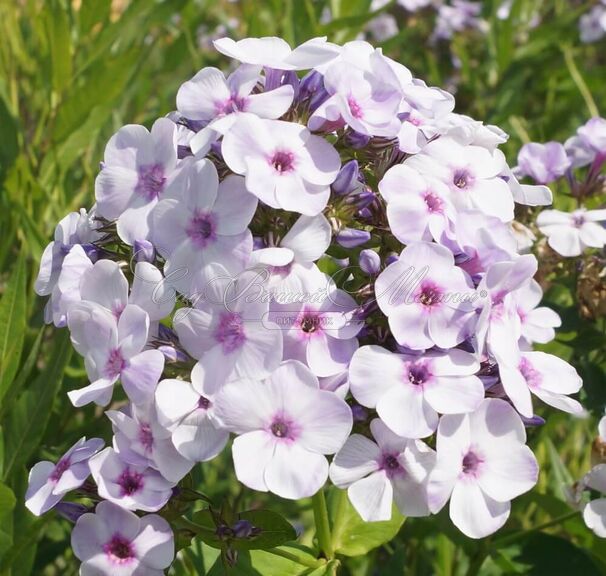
x,y
12,325
275,530
7,503
58,32
351,535
28,420
93,12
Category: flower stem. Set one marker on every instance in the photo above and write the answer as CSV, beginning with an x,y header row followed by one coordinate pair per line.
x,y
303,560
318,501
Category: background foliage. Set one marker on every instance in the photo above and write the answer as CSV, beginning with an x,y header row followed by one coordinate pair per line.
x,y
71,73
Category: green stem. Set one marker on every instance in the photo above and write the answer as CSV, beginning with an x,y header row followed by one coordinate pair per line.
x,y
513,537
579,81
318,501
304,561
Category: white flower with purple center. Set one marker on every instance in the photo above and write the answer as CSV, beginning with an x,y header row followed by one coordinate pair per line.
x,y
570,233
366,99
320,333
426,298
285,425
49,482
140,439
75,228
285,165
377,473
418,206
137,168
114,350
472,174
187,410
482,464
203,234
209,97
408,391
230,333
127,485
546,376
116,542
537,323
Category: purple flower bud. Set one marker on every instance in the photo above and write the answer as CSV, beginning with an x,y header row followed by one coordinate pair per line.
x,y
391,258
370,262
350,237
346,179
365,198
71,510
172,354
215,147
275,78
312,88
365,213
243,529
165,333
359,413
91,251
258,243
144,251
356,140
534,421
183,151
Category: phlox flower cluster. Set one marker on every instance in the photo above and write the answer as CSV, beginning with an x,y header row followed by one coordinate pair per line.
x,y
584,154
311,262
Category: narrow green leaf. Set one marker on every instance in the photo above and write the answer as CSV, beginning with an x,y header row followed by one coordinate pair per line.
x,y
59,40
28,420
12,325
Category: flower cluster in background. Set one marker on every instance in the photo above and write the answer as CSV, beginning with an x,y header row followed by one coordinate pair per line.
x,y
323,271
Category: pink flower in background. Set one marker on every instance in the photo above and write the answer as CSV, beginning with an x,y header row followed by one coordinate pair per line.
x,y
544,163
118,542
482,463
378,473
285,427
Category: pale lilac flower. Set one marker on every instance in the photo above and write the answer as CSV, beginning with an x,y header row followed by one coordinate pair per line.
x,y
592,25
537,323
129,486
367,100
138,166
230,333
544,163
414,5
588,144
285,426
320,333
187,410
141,440
548,377
409,391
458,16
370,262
570,233
383,27
114,350
377,473
210,96
472,174
285,165
426,298
499,326
203,233
49,482
274,52
116,542
594,512
289,266
418,205
105,284
482,464
75,228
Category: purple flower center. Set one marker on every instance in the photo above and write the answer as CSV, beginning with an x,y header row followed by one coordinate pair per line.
x,y
230,332
282,427
462,179
146,436
283,161
310,323
60,467
418,374
151,181
115,363
354,107
390,463
429,295
434,203
471,463
201,229
119,550
233,104
533,377
282,271
578,220
203,403
130,482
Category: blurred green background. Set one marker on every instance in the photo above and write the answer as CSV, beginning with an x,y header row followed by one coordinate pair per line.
x,y
71,73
